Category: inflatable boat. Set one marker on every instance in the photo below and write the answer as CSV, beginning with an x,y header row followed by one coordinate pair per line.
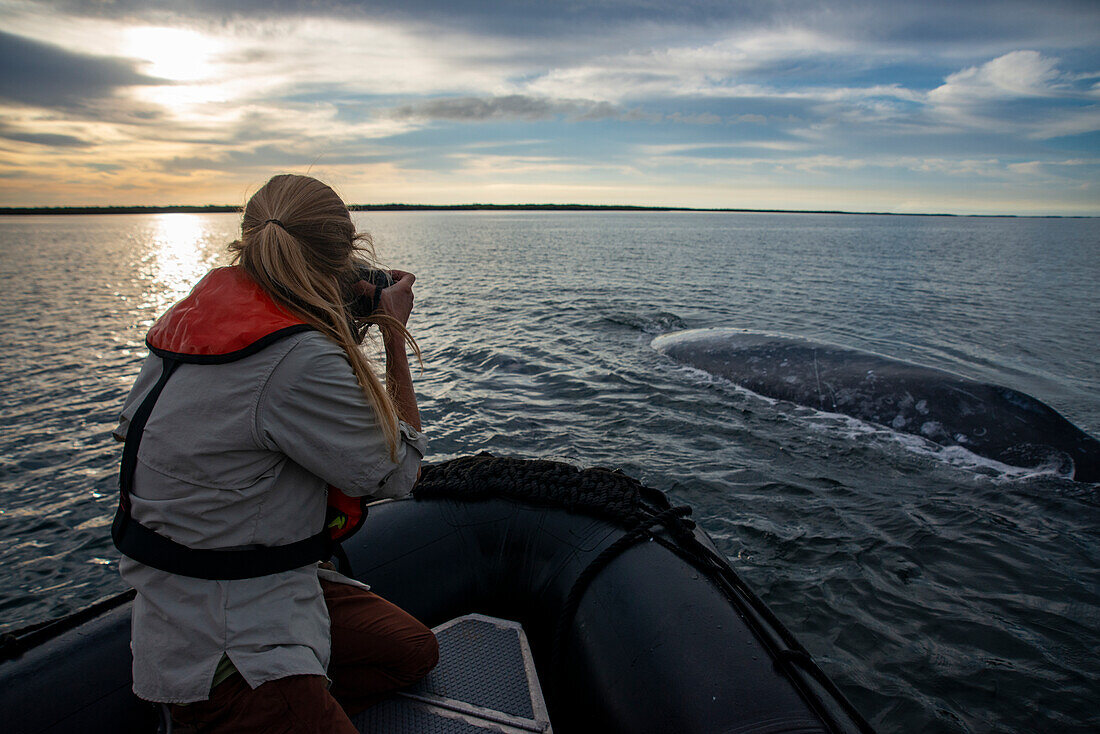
x,y
565,600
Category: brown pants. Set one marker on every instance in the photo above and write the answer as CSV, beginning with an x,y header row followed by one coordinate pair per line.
x,y
376,648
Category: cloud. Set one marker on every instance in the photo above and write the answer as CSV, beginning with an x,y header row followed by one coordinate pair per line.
x,y
50,140
105,167
701,118
270,156
43,75
493,166
510,107
1013,75
1020,92
894,23
730,65
718,151
1071,122
532,109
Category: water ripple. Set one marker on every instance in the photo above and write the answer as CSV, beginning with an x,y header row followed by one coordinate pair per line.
x,y
941,592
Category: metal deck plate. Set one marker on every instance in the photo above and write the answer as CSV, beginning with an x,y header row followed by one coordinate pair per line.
x,y
485,681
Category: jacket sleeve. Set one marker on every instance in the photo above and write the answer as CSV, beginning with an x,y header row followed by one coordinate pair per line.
x,y
313,410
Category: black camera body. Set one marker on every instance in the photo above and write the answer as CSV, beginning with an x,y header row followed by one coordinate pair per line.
x,y
363,305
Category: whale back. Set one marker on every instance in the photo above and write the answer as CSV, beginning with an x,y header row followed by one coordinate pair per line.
x,y
990,420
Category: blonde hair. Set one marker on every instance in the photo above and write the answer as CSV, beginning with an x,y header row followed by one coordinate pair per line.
x,y
307,261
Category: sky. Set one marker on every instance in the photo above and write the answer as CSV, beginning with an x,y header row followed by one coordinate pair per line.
x,y
956,106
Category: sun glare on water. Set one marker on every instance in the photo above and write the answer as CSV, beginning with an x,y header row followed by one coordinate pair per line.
x,y
179,257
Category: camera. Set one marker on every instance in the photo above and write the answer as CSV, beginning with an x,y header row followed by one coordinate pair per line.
x,y
363,306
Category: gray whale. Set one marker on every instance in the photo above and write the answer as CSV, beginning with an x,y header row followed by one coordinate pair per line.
x,y
991,421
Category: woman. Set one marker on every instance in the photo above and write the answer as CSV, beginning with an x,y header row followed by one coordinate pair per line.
x,y
255,403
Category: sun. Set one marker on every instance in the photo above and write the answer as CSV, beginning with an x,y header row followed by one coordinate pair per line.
x,y
172,53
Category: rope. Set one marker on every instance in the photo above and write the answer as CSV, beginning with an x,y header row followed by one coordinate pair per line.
x,y
597,492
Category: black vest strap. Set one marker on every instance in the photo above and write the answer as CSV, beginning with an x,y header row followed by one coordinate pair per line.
x,y
153,549
136,430
149,547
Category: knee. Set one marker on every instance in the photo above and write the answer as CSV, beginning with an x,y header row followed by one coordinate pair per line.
x,y
426,653
422,656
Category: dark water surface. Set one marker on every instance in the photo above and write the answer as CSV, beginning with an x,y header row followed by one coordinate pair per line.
x,y
941,591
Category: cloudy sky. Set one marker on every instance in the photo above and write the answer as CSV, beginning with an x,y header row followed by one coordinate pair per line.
x,y
929,106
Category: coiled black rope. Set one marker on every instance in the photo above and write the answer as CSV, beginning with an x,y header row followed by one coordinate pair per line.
x,y
643,512
597,492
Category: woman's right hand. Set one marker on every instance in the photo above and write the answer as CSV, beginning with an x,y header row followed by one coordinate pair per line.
x,y
397,300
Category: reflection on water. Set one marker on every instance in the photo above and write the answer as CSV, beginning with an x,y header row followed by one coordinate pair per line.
x,y
180,254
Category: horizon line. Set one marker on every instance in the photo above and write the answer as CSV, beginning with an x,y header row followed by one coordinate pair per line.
x,y
224,208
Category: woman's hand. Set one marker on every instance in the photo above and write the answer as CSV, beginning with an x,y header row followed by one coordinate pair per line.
x,y
397,300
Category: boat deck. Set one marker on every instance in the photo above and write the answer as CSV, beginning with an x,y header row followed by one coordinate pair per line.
x,y
485,681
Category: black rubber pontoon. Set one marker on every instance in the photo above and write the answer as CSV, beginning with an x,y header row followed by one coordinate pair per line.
x,y
636,624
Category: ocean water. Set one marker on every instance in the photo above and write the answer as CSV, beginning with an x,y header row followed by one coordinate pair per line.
x,y
941,591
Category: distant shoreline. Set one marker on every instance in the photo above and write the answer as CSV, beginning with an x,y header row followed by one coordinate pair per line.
x,y
217,209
